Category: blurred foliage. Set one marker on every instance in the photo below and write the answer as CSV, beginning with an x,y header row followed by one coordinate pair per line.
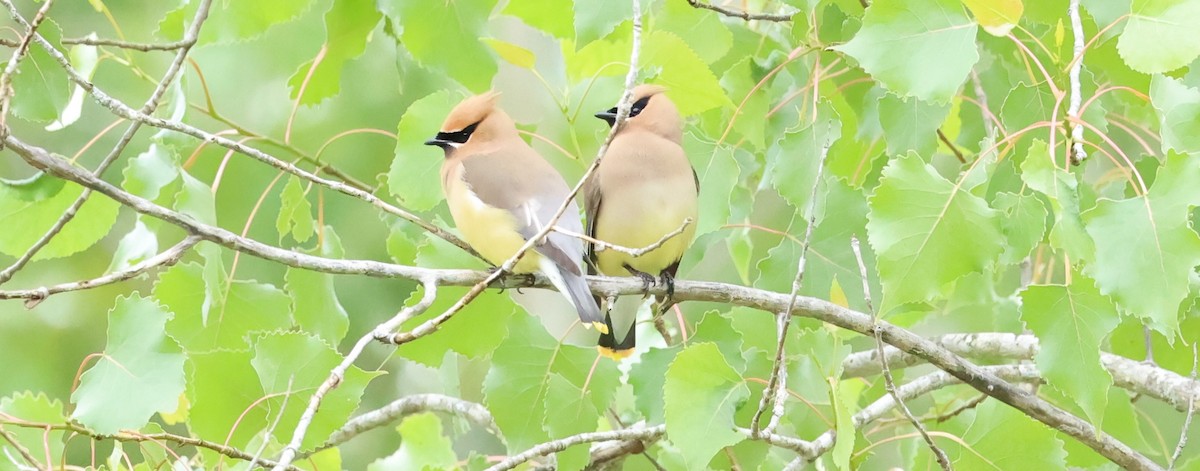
x,y
935,116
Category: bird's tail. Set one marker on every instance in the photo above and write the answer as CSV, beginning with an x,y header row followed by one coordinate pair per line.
x,y
575,288
626,308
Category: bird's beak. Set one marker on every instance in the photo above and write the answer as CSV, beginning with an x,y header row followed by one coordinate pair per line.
x,y
609,116
438,142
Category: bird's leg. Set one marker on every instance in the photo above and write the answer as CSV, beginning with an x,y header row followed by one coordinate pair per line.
x,y
505,276
647,279
667,278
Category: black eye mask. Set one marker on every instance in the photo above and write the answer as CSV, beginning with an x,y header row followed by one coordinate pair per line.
x,y
610,116
457,136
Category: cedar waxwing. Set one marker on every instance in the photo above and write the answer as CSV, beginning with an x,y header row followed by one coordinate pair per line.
x,y
644,189
501,193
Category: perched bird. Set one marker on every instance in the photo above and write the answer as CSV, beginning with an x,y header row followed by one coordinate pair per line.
x,y
501,193
644,189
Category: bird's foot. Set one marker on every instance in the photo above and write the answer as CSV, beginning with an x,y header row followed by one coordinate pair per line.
x,y
647,279
668,300
507,278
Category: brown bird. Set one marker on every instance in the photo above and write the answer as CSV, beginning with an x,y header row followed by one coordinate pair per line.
x,y
501,193
644,189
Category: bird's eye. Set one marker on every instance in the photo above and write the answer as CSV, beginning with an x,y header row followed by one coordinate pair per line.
x,y
638,106
458,136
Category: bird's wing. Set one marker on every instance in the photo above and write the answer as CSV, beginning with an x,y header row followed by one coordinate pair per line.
x,y
532,194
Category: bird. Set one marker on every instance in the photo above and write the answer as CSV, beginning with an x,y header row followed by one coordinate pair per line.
x,y
501,192
644,189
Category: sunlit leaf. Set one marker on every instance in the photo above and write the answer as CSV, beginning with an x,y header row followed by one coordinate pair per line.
x,y
1160,35
927,232
1149,235
422,446
140,373
921,48
702,392
348,24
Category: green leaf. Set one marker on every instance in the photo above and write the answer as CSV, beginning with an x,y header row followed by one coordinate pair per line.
x,y
232,21
1071,322
927,232
569,412
911,124
1061,188
225,395
701,29
1178,108
739,80
423,446
512,53
295,364
38,187
138,244
690,83
1004,438
415,174
997,17
595,20
196,199
647,377
1023,224
348,25
148,172
843,395
36,216
140,373
702,392
517,386
40,87
315,303
718,174
431,30
1149,235
555,18
236,311
84,59
28,407
793,160
921,48
1160,35
295,212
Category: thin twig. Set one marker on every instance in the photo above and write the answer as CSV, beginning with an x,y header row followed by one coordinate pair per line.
x,y
1187,419
6,90
167,258
981,97
623,108
148,108
405,406
21,450
1077,153
775,393
131,436
339,372
953,148
602,245
562,444
740,14
889,382
89,41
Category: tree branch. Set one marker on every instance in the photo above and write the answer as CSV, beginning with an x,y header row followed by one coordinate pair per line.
x,y
405,406
740,14
339,372
6,90
818,309
167,258
1077,153
638,252
560,445
121,109
190,37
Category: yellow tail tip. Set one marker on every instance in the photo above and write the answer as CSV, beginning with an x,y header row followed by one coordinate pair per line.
x,y
616,355
600,326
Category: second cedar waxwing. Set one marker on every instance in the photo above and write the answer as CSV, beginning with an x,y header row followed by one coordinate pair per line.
x,y
644,189
501,193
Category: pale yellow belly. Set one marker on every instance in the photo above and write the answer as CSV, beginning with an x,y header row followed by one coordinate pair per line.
x,y
491,231
640,221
